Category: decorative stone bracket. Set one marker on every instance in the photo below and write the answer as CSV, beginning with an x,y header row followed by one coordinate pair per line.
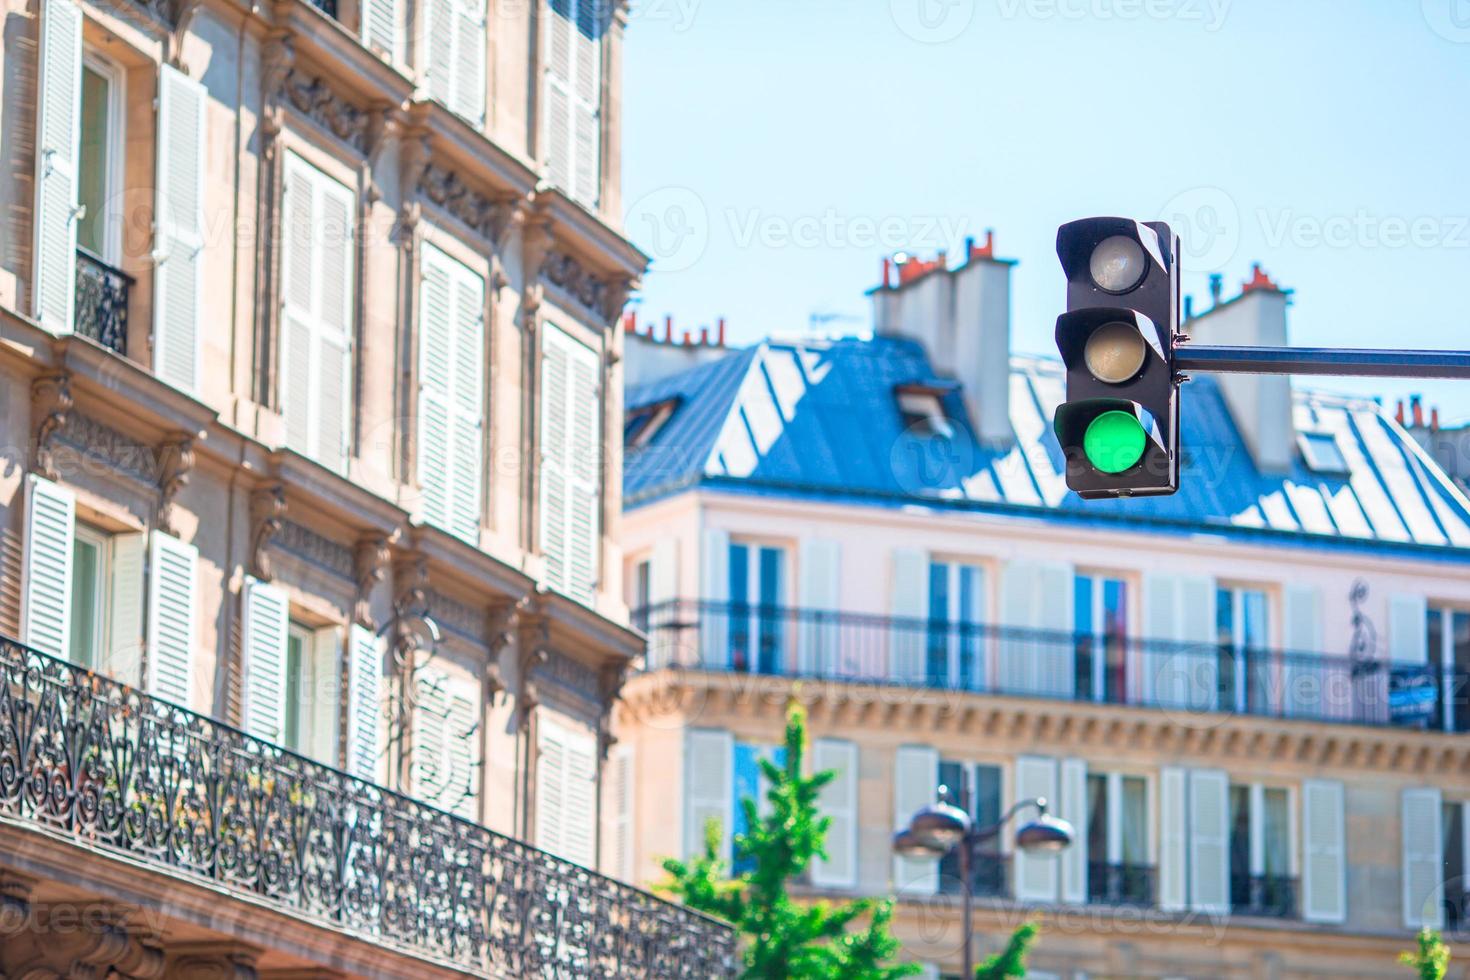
x,y
267,513
50,402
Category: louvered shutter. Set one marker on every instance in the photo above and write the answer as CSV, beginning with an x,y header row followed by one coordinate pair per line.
x,y
58,124
915,783
1072,800
1408,636
1173,840
1198,629
316,321
451,394
172,586
1423,858
1054,614
382,28
579,826
709,781
50,538
558,124
364,671
1037,875
551,782
571,453
467,405
714,586
1209,841
910,610
440,18
263,629
471,49
1179,665
428,770
555,383
1019,586
178,285
462,738
1324,858
838,803
819,592
623,788
586,97
123,660
1301,686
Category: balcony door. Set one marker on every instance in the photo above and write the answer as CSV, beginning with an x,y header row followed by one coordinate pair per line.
x,y
1262,879
1101,621
976,789
757,617
954,643
99,162
1449,660
1244,638
1119,870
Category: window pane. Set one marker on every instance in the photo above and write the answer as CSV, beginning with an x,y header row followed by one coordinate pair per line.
x,y
1460,688
771,594
739,573
86,601
970,613
772,573
295,657
1277,831
1082,603
1240,835
938,592
1135,821
92,164
936,651
1097,818
739,609
1115,633
987,795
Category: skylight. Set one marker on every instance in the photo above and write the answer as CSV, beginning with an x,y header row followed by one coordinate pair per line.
x,y
1321,453
923,412
642,424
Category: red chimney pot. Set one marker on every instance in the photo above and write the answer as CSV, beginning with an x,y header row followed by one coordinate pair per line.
x,y
668,329
720,338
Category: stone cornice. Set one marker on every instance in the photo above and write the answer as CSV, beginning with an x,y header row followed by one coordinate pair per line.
x,y
1006,723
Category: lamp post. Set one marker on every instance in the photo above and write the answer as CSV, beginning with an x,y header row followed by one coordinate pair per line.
x,y
942,827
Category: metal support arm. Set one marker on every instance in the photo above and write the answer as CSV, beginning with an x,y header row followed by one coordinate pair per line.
x,y
1322,360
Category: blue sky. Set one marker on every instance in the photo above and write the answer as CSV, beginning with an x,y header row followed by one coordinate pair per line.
x,y
775,150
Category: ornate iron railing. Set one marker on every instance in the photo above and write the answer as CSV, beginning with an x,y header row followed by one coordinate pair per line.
x,y
1120,884
1110,669
102,762
102,302
1267,895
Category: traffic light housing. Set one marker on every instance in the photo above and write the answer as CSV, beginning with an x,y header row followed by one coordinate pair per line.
x,y
1119,427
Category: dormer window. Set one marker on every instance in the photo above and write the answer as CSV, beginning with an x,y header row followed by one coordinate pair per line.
x,y
922,408
1322,454
643,423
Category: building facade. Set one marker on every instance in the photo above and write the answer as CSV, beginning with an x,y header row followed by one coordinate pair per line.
x,y
311,494
1248,698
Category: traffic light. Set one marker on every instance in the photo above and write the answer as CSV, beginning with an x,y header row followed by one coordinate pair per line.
x,y
1119,427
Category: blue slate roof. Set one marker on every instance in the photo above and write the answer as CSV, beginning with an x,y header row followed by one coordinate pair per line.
x,y
820,418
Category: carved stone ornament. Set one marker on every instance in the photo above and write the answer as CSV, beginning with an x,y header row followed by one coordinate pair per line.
x,y
267,514
314,98
175,461
40,947
536,245
489,216
276,57
315,549
100,444
370,565
50,401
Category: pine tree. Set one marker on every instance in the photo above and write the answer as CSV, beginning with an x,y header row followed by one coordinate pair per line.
x,y
1011,961
783,939
1432,959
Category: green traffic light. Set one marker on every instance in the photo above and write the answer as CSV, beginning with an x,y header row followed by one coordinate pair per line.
x,y
1114,441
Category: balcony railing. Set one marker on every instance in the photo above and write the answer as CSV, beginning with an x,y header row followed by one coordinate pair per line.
x,y
88,758
1120,884
1266,895
861,648
102,302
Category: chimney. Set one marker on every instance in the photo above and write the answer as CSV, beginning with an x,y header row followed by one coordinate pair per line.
x,y
1260,404
1416,408
647,357
962,317
1217,285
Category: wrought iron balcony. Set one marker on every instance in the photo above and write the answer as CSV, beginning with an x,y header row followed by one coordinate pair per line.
x,y
1266,895
1109,669
1120,884
102,302
103,763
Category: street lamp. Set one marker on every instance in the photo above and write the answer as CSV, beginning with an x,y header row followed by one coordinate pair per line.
x,y
941,827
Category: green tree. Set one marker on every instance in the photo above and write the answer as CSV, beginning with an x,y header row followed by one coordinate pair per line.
x,y
1011,961
1432,959
783,939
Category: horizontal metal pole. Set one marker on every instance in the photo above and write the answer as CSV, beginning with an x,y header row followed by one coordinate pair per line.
x,y
1323,360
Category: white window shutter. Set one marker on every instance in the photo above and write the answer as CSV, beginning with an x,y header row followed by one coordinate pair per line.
x,y
263,628
173,573
714,594
709,786
915,783
178,285
571,462
1164,676
555,384
838,803
586,99
1054,613
566,810
471,50
123,659
364,673
316,318
910,604
440,36
1423,858
1301,686
1072,807
1037,875
1020,584
819,590
46,586
58,125
551,782
462,737
1324,872
382,28
1198,629
428,769
468,404
558,133
623,786
1173,840
1209,841
1408,636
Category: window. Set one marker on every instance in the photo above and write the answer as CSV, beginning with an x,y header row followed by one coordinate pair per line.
x,y
316,322
1321,453
757,619
571,130
922,408
1449,661
644,422
571,463
1244,637
311,702
1119,870
99,165
89,607
642,592
954,648
976,789
106,600
1100,617
1452,848
1261,880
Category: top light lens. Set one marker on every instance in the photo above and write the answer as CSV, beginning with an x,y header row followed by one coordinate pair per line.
x,y
1118,264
